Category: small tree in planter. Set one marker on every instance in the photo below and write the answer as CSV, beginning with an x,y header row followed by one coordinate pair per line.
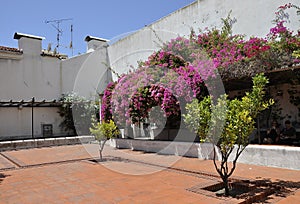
x,y
227,124
104,131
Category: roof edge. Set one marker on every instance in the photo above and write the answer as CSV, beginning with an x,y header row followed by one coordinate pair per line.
x,y
10,49
89,38
18,36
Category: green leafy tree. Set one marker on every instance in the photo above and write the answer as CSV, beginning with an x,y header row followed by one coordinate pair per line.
x,y
77,112
227,124
104,131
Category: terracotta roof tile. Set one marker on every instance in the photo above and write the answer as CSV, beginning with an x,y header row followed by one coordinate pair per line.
x,y
51,54
10,49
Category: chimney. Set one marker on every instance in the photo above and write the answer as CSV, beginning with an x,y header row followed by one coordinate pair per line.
x,y
93,43
29,44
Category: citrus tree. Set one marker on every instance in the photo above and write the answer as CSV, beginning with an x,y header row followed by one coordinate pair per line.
x,y
103,131
227,124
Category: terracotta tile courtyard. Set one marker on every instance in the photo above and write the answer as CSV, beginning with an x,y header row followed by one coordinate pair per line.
x,y
71,174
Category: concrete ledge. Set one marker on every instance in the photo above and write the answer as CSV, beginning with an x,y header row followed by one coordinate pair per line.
x,y
47,142
60,141
263,155
189,149
272,155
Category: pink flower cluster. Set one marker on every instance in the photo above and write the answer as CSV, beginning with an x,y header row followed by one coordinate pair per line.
x,y
124,90
255,46
166,59
165,79
227,50
154,95
279,30
280,35
289,5
106,111
167,101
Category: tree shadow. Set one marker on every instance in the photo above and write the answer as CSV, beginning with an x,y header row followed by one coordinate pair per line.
x,y
265,190
2,177
253,191
109,159
283,188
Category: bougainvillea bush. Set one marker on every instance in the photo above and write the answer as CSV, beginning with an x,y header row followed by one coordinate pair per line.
x,y
180,70
106,110
165,80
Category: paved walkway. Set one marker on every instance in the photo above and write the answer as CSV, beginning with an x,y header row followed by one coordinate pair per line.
x,y
67,174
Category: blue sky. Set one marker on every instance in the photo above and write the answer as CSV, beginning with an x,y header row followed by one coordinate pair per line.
x,y
101,18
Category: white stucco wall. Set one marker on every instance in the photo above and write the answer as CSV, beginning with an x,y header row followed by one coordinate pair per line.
x,y
70,70
253,18
27,75
32,76
16,123
87,74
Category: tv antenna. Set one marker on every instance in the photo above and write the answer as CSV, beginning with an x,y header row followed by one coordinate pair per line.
x,y
56,24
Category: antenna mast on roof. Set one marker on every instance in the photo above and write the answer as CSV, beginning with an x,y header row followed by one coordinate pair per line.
x,y
56,24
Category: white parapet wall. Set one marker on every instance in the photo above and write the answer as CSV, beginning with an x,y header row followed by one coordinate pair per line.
x,y
188,149
272,155
263,155
45,142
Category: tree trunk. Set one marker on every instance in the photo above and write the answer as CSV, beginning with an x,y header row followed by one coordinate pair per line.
x,y
101,146
100,154
226,185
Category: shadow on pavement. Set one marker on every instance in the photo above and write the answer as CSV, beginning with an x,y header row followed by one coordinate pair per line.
x,y
2,177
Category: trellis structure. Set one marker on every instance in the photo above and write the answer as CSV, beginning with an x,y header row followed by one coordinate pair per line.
x,y
31,104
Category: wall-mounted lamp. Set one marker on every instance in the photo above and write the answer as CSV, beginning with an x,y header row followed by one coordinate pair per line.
x,y
20,107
